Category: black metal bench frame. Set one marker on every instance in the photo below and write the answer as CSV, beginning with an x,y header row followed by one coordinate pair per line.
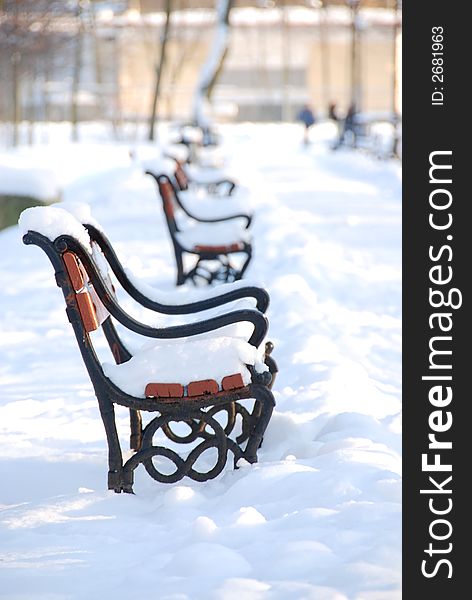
x,y
183,181
197,412
260,295
223,297
226,271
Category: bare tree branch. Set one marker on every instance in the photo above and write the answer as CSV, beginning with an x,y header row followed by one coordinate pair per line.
x,y
159,70
214,63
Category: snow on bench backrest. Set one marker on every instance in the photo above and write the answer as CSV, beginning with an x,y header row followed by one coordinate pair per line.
x,y
53,222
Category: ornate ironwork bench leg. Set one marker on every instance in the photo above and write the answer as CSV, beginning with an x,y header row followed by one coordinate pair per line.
x,y
270,362
200,422
265,403
184,467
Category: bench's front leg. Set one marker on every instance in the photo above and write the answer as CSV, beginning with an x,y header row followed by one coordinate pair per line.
x,y
115,457
263,411
135,422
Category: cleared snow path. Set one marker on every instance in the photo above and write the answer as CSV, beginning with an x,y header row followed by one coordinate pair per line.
x,y
319,518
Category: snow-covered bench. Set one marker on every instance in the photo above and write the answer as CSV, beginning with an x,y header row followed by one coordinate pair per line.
x,y
376,136
238,294
184,302
195,139
196,202
211,241
199,136
214,180
187,175
187,374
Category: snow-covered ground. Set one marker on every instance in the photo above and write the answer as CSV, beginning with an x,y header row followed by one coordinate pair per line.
x,y
319,517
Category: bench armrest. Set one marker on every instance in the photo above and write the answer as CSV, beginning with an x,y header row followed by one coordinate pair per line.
x,y
108,300
222,182
259,294
162,176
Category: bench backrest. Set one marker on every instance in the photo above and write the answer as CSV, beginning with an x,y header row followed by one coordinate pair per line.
x,y
169,202
181,177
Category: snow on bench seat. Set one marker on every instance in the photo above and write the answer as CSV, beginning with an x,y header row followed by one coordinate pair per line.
x,y
220,234
177,152
206,175
215,207
185,362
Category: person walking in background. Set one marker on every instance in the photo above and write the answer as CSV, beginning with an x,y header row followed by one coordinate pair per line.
x,y
307,117
333,116
348,127
333,112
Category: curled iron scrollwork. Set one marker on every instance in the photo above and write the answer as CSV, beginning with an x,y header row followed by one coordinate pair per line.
x,y
224,272
199,423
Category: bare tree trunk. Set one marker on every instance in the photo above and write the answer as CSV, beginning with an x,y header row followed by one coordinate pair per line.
x,y
31,91
325,57
117,112
285,45
159,70
356,92
15,88
223,14
396,12
214,62
46,103
15,63
29,39
99,90
174,78
74,109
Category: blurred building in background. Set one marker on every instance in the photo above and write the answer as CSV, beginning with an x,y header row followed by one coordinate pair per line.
x,y
82,60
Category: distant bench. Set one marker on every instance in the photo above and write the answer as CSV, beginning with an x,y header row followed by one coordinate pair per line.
x,y
363,134
212,242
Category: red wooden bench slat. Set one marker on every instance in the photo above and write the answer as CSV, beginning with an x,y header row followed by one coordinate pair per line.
x,y
181,177
194,388
87,311
230,248
164,390
232,382
75,274
200,388
168,197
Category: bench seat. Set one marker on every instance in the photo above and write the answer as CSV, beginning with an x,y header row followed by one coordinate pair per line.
x,y
229,236
211,206
183,362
